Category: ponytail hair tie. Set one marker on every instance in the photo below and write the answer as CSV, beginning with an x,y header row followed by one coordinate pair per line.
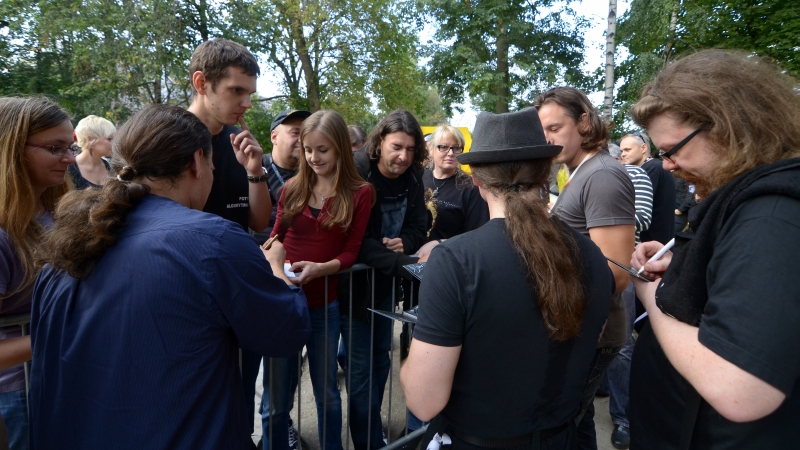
x,y
126,174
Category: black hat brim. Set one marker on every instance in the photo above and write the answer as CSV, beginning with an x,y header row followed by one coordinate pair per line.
x,y
502,155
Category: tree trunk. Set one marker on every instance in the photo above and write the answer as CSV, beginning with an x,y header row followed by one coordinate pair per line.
x,y
301,46
610,47
501,89
673,26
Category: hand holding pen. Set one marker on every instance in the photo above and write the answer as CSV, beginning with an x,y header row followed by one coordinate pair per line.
x,y
653,254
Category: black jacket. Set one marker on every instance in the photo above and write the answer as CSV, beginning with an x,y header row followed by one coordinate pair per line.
x,y
374,254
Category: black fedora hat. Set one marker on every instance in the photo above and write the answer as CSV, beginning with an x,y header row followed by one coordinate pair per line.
x,y
508,137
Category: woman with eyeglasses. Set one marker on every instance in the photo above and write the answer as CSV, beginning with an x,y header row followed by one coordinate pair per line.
x,y
35,151
455,206
91,169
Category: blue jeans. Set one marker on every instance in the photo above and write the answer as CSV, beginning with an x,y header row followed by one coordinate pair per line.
x,y
587,436
250,363
412,422
322,368
619,372
14,409
369,347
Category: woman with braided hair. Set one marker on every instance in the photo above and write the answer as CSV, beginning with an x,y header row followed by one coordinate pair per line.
x,y
143,301
510,313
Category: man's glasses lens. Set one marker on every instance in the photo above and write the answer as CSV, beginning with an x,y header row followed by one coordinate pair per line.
x,y
447,148
671,152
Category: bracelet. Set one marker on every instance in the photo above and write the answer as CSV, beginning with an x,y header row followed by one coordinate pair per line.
x,y
258,179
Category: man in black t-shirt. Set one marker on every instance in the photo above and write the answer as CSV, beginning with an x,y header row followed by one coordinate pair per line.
x,y
392,162
717,365
223,75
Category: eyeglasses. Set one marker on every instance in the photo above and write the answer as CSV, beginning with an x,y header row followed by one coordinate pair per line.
x,y
447,148
668,154
57,150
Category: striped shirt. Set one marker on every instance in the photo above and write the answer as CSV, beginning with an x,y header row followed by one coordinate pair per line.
x,y
644,198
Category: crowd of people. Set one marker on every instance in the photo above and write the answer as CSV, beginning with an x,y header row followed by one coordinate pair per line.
x,y
153,306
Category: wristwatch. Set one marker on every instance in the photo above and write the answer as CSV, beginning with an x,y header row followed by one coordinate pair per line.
x,y
258,179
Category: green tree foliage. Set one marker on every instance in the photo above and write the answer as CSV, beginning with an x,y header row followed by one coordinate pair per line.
x,y
656,32
107,57
356,57
501,52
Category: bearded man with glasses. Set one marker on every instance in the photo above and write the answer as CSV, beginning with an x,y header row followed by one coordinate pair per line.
x,y
717,365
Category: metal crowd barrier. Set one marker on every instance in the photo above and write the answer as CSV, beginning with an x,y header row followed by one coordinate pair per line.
x,y
406,437
23,320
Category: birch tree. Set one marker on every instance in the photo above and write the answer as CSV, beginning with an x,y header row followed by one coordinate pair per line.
x,y
610,47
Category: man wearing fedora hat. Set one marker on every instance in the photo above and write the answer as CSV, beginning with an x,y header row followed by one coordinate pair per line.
x,y
598,201
510,313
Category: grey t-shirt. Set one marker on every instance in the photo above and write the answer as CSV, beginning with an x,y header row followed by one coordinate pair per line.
x,y
600,194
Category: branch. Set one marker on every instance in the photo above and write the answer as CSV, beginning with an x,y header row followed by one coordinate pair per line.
x,y
266,99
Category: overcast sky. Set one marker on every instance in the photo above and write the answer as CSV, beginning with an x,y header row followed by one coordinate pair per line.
x,y
595,10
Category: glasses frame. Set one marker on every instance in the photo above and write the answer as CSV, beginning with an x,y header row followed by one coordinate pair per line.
x,y
447,148
669,153
56,149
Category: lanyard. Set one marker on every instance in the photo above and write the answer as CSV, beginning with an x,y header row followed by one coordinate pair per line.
x,y
560,194
576,169
277,173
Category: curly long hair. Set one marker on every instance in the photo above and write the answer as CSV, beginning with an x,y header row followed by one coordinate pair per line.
x,y
347,181
548,253
750,110
158,143
20,118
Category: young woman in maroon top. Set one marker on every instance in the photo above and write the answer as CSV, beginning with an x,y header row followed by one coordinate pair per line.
x,y
322,215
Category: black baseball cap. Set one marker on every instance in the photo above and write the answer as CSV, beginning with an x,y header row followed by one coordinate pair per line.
x,y
288,114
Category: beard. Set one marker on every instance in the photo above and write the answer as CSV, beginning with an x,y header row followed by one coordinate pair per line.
x,y
702,186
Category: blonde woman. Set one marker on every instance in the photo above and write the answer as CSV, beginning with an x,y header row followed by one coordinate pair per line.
x,y
94,135
455,206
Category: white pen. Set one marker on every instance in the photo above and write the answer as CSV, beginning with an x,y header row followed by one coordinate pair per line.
x,y
659,254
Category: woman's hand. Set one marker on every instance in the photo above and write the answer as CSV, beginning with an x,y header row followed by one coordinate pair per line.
x,y
643,252
305,271
425,249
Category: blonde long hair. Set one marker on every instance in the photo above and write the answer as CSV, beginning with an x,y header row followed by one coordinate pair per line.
x,y
20,118
346,178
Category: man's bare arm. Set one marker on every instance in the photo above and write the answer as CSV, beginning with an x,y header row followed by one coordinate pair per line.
x,y
616,242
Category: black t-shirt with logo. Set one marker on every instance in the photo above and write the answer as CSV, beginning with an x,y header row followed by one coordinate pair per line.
x,y
392,195
458,204
230,193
